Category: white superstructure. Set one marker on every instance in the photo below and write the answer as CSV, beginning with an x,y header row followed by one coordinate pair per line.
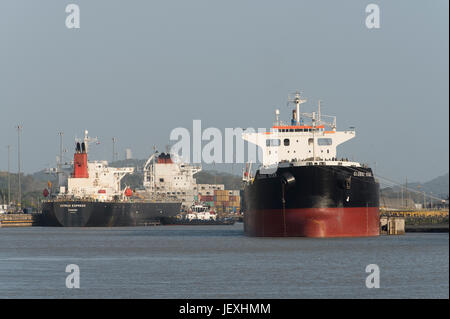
x,y
301,142
93,180
165,177
102,184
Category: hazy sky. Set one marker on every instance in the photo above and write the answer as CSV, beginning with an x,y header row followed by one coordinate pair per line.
x,y
137,69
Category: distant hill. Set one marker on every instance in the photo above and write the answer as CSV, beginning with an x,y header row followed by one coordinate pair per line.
x,y
438,186
43,176
428,193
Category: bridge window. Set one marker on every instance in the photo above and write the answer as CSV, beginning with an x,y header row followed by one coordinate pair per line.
x,y
286,142
273,142
324,141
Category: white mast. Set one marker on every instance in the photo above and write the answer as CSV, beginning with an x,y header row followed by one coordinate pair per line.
x,y
314,134
87,140
319,118
297,100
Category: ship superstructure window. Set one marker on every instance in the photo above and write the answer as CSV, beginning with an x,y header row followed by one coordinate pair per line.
x,y
273,142
161,180
324,141
286,142
310,141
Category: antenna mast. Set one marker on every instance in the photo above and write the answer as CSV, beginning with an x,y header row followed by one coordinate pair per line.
x,y
113,148
319,119
87,140
60,162
297,100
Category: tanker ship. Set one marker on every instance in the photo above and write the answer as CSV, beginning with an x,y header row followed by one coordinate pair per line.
x,y
302,188
89,194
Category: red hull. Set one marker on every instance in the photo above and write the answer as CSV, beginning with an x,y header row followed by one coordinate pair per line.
x,y
314,222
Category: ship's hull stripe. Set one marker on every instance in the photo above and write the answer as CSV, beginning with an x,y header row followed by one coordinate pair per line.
x,y
313,222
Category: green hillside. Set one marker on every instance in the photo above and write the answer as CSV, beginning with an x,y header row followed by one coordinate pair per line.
x,y
31,189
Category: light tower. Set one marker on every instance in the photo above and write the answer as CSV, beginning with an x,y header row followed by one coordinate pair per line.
x,y
19,200
113,148
9,176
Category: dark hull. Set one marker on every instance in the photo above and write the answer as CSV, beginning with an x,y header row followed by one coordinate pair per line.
x,y
106,214
313,201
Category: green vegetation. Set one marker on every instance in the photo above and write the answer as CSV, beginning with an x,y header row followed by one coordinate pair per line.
x,y
31,189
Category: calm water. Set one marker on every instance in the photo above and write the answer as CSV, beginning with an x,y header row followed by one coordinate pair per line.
x,y
216,262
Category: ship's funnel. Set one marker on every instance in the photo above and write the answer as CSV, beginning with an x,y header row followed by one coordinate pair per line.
x,y
80,162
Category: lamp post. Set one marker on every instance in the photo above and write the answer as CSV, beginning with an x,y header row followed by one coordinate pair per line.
x,y
9,177
19,201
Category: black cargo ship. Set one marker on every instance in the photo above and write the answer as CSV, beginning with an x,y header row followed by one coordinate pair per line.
x,y
106,214
89,194
302,189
